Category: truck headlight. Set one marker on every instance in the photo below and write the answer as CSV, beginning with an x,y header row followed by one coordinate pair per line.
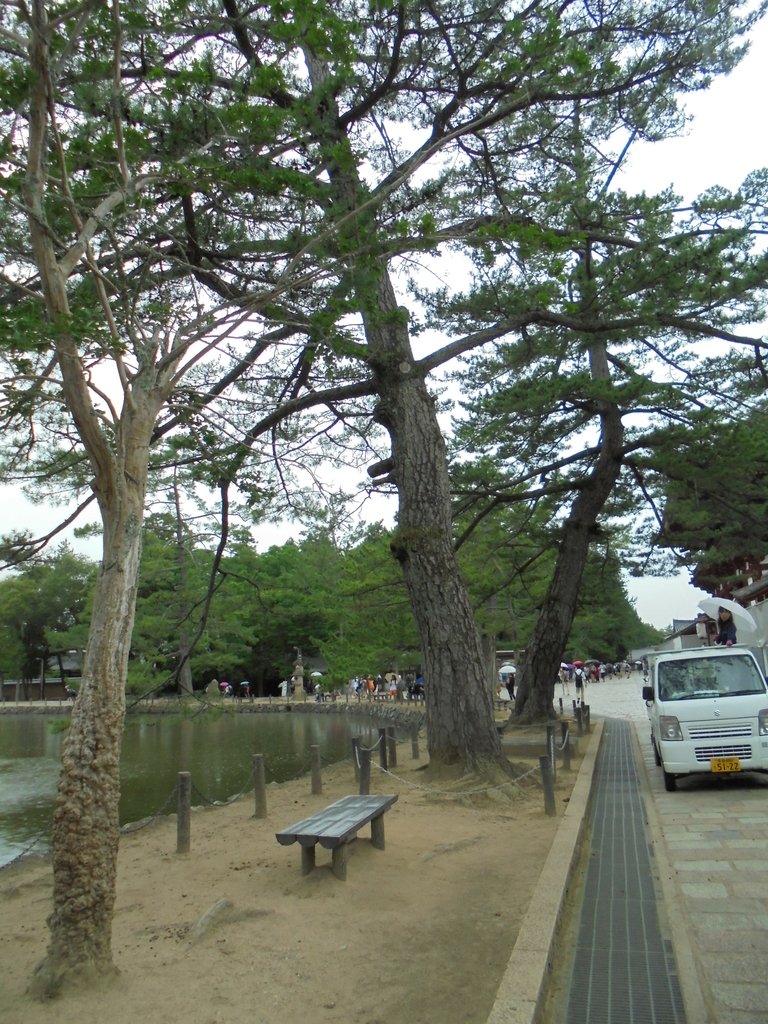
x,y
762,722
669,727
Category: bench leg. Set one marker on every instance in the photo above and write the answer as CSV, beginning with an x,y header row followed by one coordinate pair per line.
x,y
339,861
307,859
377,832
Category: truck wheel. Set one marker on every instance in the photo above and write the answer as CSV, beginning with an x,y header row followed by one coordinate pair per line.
x,y
656,758
670,782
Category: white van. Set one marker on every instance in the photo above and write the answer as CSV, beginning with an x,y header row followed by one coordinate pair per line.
x,y
708,709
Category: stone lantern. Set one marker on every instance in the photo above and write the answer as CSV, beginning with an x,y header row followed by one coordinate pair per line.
x,y
298,675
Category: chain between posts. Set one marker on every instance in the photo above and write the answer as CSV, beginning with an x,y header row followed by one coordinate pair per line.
x,y
357,750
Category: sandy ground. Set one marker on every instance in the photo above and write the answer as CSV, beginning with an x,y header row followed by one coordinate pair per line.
x,y
418,933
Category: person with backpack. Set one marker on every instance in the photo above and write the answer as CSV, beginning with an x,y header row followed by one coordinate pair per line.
x,y
579,681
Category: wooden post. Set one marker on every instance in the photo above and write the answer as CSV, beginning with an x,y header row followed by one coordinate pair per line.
x,y
392,747
356,757
551,750
549,786
579,728
259,787
317,782
415,744
560,701
586,716
365,771
183,812
567,752
383,749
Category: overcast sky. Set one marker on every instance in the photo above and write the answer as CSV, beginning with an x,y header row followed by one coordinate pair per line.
x,y
726,141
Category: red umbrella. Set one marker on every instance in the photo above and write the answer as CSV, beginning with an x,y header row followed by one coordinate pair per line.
x,y
578,664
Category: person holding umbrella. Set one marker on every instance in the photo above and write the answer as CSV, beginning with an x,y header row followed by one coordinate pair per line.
x,y
726,628
565,676
739,618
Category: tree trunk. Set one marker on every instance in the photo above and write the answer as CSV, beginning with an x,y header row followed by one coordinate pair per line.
x,y
184,674
184,665
540,664
85,819
460,725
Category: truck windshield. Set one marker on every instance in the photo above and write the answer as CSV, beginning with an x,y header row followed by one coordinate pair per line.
x,y
709,677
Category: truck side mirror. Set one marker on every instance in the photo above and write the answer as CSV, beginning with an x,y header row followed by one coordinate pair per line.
x,y
647,693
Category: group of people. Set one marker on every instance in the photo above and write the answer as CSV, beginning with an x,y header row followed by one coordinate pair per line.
x,y
411,686
389,684
242,691
582,673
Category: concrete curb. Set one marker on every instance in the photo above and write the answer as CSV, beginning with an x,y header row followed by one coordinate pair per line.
x,y
523,987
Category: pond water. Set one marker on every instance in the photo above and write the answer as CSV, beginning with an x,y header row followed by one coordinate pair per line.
x,y
216,749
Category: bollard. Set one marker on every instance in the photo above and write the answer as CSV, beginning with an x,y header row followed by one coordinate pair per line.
x,y
259,786
365,771
551,750
586,716
383,749
415,744
579,729
574,706
549,787
183,812
567,752
317,782
560,702
392,747
356,757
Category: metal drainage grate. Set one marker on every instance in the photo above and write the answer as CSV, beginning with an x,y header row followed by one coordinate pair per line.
x,y
624,972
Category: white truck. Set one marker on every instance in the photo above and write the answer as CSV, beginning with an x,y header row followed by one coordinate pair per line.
x,y
708,709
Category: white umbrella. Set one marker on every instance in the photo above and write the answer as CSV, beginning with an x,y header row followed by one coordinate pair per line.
x,y
314,675
741,617
507,667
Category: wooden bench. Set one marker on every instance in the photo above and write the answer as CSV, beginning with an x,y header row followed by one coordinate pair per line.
x,y
335,827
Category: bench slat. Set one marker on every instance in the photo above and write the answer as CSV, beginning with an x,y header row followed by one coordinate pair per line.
x,y
336,823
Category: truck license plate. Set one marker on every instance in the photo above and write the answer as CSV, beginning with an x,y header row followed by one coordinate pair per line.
x,y
725,764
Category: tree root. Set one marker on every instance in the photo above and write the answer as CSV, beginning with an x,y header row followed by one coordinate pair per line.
x,y
488,780
53,977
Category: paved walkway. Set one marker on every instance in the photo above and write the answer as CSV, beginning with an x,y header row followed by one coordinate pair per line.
x,y
710,841
709,847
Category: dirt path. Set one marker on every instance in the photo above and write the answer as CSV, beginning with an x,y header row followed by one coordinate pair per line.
x,y
420,932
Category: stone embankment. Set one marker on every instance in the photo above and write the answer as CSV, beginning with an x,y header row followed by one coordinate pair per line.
x,y
406,715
